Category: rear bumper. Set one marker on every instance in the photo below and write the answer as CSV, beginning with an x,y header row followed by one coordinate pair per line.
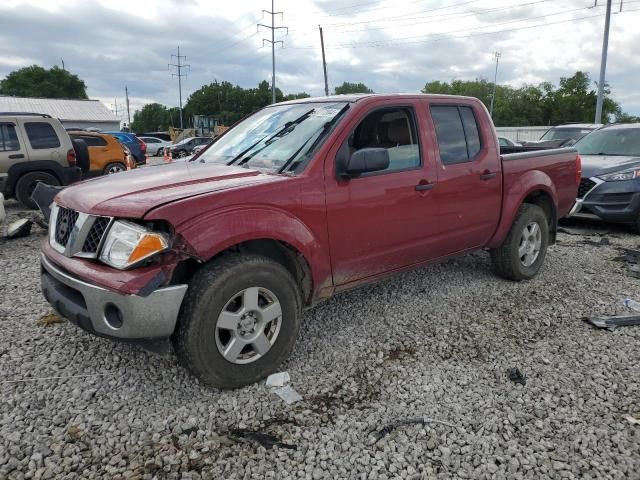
x,y
110,314
617,202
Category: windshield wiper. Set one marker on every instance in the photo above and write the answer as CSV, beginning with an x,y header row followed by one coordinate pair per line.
x,y
325,128
288,128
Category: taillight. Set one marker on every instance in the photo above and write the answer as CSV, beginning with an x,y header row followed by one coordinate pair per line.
x,y
578,169
143,146
71,158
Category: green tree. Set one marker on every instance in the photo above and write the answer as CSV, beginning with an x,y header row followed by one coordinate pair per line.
x,y
622,117
228,102
545,104
150,118
296,96
347,87
35,81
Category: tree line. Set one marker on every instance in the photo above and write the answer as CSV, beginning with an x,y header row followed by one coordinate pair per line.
x,y
572,100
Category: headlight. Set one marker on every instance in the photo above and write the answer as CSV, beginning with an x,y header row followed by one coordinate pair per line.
x,y
622,175
128,244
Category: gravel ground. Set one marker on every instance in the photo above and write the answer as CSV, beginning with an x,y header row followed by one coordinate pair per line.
x,y
433,343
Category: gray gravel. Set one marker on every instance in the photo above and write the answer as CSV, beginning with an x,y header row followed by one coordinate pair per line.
x,y
433,343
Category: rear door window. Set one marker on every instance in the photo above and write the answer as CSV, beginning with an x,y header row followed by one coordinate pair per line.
x,y
457,133
93,141
41,135
8,138
450,134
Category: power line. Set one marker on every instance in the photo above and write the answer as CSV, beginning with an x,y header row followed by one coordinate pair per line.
x,y
442,15
428,37
179,67
273,42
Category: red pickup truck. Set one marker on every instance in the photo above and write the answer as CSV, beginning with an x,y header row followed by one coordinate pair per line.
x,y
297,202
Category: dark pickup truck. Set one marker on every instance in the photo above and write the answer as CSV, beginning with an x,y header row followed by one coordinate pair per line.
x,y
294,204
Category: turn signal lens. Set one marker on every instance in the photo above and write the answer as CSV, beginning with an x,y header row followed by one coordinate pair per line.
x,y
148,245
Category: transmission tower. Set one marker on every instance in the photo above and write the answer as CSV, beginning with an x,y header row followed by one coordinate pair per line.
x,y
178,67
273,42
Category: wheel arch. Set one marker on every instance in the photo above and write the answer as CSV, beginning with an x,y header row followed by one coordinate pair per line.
x,y
270,232
534,187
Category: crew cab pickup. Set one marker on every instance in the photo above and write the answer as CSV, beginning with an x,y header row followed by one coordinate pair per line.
x,y
294,204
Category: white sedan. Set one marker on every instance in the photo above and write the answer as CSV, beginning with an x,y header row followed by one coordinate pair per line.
x,y
155,145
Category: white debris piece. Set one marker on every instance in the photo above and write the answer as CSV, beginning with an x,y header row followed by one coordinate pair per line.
x,y
288,394
278,379
277,382
632,304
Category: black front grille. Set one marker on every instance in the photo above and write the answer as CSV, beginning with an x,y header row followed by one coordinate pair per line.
x,y
95,235
586,184
65,222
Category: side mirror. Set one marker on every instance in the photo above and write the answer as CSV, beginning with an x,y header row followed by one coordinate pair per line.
x,y
366,160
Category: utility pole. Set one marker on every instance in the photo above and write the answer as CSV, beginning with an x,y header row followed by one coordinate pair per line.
x,y
495,81
65,70
179,67
603,63
114,106
324,64
126,94
273,42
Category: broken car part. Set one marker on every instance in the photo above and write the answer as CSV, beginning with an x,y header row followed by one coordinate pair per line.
x,y
516,376
390,427
43,196
19,228
613,321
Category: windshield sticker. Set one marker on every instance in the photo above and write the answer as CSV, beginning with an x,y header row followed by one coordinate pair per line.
x,y
325,112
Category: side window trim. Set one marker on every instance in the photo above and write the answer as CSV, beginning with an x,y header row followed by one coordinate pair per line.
x,y
414,132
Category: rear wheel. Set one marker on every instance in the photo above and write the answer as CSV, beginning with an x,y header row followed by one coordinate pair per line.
x,y
114,167
160,152
27,184
239,320
182,154
522,253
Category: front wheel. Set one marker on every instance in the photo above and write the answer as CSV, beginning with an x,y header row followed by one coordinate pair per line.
x,y
182,154
239,320
522,253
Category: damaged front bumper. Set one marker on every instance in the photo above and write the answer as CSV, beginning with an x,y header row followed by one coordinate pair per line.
x,y
617,202
111,314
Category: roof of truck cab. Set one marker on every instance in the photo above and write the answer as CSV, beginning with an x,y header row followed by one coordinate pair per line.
x,y
355,97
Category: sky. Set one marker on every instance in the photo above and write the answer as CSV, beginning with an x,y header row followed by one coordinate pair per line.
x,y
390,45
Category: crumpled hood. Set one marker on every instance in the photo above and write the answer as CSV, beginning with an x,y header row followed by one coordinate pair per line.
x,y
594,165
134,193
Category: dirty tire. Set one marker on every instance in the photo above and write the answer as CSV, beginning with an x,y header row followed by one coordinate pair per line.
x,y
27,183
210,289
114,167
506,260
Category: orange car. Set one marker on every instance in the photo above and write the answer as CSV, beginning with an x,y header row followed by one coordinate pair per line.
x,y
106,154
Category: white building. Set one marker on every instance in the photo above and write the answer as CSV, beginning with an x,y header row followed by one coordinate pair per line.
x,y
72,113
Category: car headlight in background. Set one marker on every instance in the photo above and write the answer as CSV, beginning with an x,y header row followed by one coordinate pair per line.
x,y
629,174
128,244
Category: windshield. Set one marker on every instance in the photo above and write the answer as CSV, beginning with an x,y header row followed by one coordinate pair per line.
x,y
276,138
565,133
624,141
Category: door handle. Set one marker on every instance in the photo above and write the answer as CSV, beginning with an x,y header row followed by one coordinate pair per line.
x,y
16,155
421,187
488,175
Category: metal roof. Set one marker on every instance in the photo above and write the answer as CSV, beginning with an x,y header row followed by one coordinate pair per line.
x,y
62,109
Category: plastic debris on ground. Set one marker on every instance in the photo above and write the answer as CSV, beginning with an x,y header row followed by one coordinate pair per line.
x,y
278,379
19,228
277,383
43,196
516,376
632,304
631,420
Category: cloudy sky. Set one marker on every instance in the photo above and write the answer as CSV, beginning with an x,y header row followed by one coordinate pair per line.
x,y
391,45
